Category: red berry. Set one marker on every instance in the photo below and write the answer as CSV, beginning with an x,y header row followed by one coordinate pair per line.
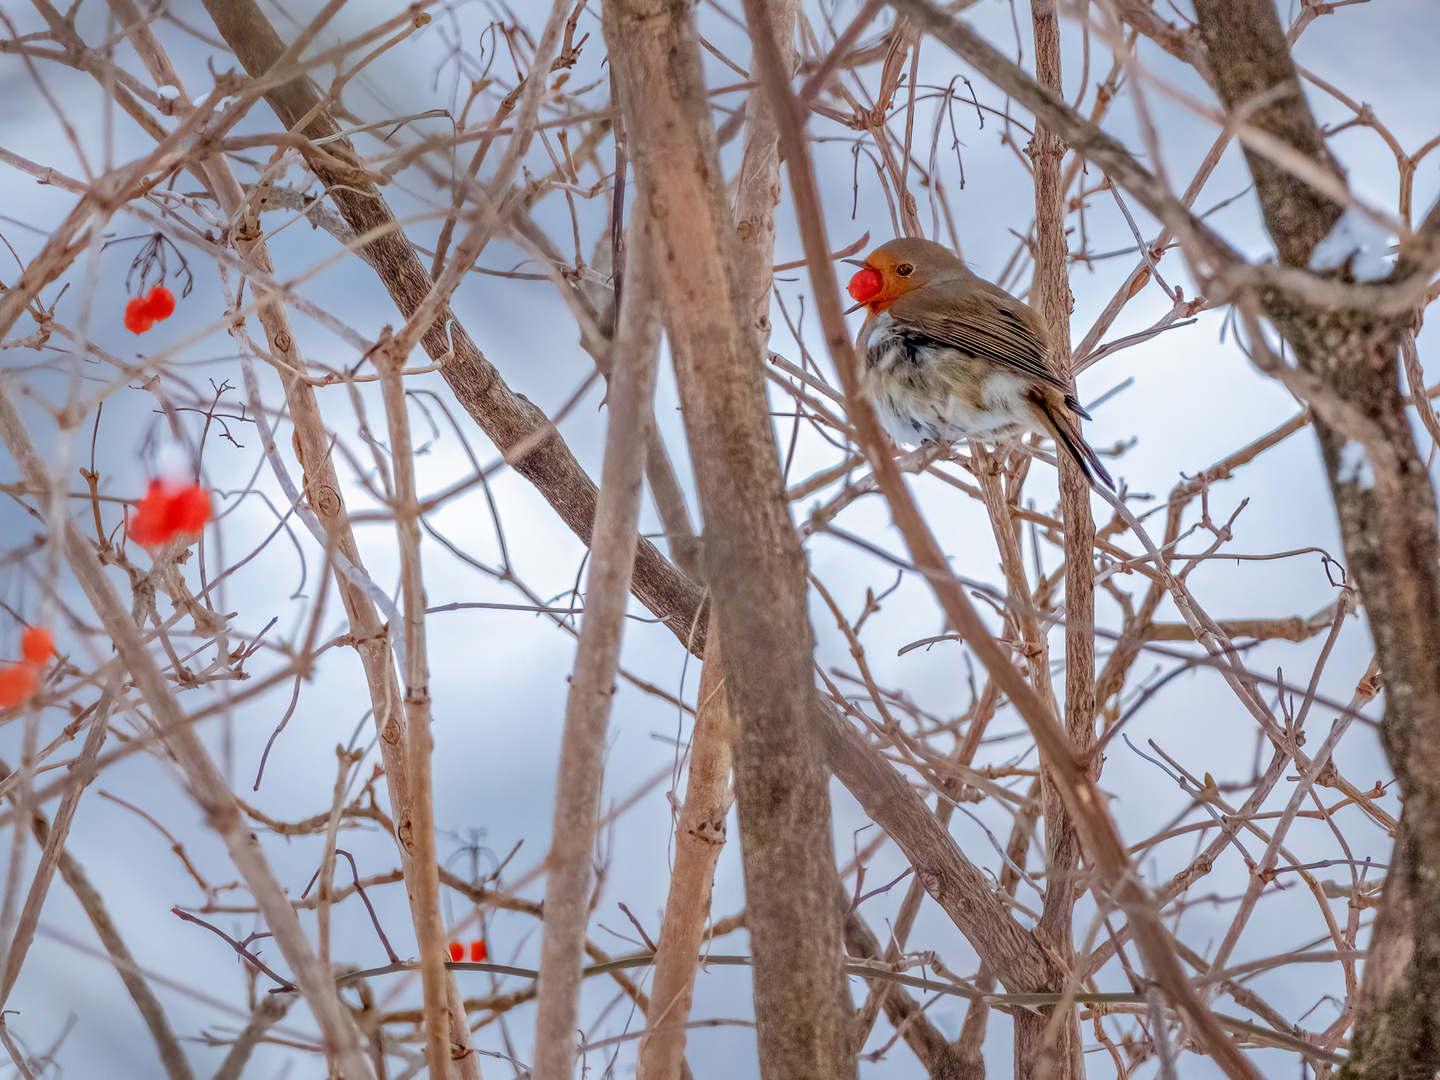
x,y
17,683
190,508
478,952
865,285
160,304
37,646
167,511
457,951
137,316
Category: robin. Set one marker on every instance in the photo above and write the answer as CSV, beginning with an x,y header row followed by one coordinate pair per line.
x,y
950,356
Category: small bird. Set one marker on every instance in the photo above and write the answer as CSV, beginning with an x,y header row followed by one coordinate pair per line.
x,y
950,356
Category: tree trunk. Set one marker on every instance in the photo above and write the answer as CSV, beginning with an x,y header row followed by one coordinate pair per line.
x,y
753,562
1348,370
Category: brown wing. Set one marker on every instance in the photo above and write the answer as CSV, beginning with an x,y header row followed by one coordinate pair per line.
x,y
1062,424
993,325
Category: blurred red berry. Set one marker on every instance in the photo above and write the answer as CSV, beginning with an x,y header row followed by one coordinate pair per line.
x,y
457,951
17,683
137,316
142,313
190,507
169,510
37,646
478,952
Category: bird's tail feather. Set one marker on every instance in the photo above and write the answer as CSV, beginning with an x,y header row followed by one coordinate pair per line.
x,y
1064,427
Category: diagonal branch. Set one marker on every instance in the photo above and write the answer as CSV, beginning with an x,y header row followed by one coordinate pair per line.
x,y
1347,364
1082,797
521,431
206,784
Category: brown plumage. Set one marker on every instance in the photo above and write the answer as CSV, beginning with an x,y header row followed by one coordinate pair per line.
x,y
950,356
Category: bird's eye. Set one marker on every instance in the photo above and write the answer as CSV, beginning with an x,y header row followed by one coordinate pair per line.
x,y
904,269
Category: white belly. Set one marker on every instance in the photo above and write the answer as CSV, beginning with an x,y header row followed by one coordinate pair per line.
x,y
936,392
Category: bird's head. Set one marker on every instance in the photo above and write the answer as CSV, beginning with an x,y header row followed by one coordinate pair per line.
x,y
896,268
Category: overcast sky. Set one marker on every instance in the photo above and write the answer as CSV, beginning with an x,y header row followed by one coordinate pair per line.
x,y
498,676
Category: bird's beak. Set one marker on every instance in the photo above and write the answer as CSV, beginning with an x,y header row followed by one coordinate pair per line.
x,y
851,310
855,262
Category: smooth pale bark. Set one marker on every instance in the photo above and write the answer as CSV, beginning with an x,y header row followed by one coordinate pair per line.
x,y
419,837
699,838
754,566
592,684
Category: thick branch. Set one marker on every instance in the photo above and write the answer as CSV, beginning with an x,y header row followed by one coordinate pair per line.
x,y
520,430
1348,364
592,683
754,564
1252,64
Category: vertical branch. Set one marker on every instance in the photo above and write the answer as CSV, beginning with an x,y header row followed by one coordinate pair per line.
x,y
1030,1026
424,879
1102,840
322,493
167,1044
754,565
1052,298
699,838
592,685
700,827
206,785
1347,363
758,189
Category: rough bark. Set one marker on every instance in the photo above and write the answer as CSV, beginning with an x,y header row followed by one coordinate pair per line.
x,y
1082,797
1051,296
1348,367
753,561
906,1015
1019,961
1257,81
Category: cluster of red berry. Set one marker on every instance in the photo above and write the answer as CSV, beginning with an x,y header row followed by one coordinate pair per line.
x,y
478,952
19,681
168,510
142,313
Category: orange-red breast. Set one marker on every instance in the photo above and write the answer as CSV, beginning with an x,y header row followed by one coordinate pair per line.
x,y
950,356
